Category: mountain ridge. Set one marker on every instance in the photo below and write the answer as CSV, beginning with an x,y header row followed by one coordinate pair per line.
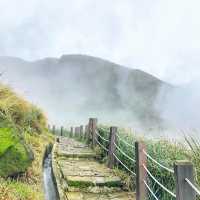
x,y
74,79
64,56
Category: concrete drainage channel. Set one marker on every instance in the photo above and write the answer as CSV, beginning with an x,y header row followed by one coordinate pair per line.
x,y
50,188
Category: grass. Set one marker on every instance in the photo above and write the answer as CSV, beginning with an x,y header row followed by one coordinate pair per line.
x,y
164,151
13,189
194,145
23,139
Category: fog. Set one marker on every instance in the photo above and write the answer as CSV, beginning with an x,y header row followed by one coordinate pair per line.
x,y
158,37
181,107
71,89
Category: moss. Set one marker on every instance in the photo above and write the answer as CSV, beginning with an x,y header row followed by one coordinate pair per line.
x,y
30,185
80,184
111,183
7,140
14,156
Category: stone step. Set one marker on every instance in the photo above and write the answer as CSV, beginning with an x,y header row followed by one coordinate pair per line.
x,y
83,173
93,196
70,148
80,177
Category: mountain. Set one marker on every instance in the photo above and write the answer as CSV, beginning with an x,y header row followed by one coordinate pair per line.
x,y
75,87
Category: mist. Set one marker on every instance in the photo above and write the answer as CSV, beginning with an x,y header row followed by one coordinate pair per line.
x,y
181,107
160,38
74,87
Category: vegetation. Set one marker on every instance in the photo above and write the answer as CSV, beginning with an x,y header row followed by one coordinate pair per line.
x,y
164,151
194,145
23,138
14,155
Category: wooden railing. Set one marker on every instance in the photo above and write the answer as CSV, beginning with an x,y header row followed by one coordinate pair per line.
x,y
183,171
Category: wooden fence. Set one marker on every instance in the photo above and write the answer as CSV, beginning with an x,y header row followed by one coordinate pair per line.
x,y
183,171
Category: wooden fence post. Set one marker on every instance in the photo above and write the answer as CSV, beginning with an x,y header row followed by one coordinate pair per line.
x,y
76,132
183,170
112,147
61,131
92,130
141,175
89,138
86,132
81,131
71,132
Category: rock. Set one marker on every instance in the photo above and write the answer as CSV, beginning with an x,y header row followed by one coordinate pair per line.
x,y
15,155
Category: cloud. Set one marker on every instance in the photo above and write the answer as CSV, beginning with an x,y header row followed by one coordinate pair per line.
x,y
160,37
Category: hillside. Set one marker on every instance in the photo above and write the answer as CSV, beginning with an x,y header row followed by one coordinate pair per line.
x,y
86,86
23,139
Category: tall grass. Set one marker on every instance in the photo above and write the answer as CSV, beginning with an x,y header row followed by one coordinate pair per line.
x,y
18,113
164,151
29,125
194,145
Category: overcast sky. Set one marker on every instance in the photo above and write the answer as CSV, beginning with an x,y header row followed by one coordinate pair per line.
x,y
161,37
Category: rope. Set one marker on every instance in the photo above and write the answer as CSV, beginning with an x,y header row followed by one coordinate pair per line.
x,y
152,193
124,153
101,145
102,137
124,165
162,166
162,186
193,186
125,141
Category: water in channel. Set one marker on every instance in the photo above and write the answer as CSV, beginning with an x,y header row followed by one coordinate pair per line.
x,y
49,186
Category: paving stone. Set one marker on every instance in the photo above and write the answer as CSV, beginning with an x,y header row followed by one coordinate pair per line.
x,y
92,196
84,178
82,173
72,149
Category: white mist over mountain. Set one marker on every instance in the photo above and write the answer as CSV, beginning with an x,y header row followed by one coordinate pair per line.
x,y
74,87
158,37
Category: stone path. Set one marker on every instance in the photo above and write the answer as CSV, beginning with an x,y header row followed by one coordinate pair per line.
x,y
80,177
